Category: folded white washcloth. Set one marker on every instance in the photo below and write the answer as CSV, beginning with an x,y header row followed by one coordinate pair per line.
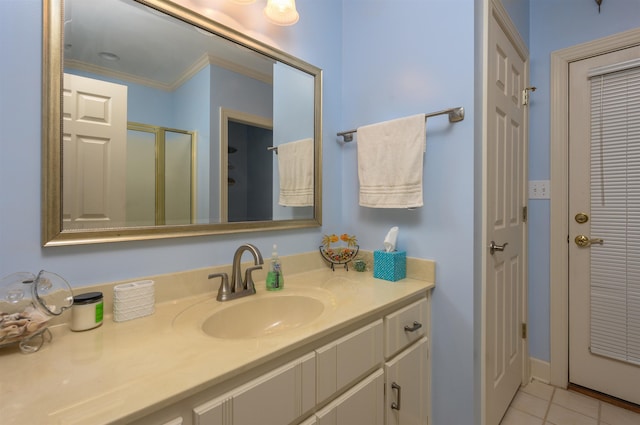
x,y
295,165
390,163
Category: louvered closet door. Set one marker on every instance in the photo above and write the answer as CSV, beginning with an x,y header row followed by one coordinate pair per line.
x,y
604,240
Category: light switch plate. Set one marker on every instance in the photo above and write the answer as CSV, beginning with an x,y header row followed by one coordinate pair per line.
x,y
539,189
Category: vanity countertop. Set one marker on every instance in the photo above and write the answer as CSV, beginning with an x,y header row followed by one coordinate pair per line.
x,y
122,371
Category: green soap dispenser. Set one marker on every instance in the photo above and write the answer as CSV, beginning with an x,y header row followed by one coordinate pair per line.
x,y
275,281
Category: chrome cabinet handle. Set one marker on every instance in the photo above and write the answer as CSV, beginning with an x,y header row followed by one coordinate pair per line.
x,y
493,247
413,328
394,405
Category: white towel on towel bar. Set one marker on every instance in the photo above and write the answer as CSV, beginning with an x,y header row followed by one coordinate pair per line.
x,y
390,163
295,166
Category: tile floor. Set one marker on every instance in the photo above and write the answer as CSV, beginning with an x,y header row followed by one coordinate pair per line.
x,y
542,404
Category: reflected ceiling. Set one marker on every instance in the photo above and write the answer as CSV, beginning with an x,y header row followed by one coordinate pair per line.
x,y
179,50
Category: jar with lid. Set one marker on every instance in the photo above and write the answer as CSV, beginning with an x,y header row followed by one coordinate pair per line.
x,y
27,303
87,311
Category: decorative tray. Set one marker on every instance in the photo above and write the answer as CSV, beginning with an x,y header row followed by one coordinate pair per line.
x,y
339,254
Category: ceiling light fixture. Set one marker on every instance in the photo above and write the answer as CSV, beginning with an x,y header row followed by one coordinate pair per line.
x,y
599,4
282,12
279,12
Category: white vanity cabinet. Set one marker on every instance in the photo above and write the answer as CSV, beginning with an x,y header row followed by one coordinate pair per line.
x,y
375,373
406,370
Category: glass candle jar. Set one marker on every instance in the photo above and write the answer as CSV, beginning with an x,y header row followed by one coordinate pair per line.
x,y
27,303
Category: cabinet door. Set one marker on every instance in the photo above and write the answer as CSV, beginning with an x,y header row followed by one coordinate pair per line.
x,y
361,405
214,412
407,384
343,361
278,397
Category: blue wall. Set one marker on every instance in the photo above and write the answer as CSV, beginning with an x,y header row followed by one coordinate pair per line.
x,y
518,11
404,58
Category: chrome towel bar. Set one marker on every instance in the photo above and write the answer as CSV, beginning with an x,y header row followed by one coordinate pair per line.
x,y
455,115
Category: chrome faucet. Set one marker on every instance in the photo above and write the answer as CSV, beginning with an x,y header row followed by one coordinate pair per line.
x,y
239,287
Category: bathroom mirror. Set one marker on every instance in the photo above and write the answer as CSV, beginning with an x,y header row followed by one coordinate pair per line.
x,y
159,122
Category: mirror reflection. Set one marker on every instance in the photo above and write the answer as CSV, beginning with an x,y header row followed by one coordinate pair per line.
x,y
167,124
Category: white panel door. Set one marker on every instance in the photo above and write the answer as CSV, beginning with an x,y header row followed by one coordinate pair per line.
x,y
604,186
505,266
94,153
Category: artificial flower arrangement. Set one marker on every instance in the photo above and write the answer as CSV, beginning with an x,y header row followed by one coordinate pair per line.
x,y
339,254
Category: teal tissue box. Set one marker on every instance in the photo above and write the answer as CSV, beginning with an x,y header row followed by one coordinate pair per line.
x,y
390,266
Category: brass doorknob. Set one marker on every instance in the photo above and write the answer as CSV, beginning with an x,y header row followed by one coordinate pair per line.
x,y
584,241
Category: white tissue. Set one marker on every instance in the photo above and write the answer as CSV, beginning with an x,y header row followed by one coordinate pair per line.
x,y
390,239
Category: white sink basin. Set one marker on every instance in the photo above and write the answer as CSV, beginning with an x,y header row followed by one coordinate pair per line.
x,y
262,316
255,316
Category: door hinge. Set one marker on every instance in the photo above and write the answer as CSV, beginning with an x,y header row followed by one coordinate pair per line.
x,y
524,214
525,94
524,331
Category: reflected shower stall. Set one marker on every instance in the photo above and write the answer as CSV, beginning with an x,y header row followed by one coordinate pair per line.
x,y
160,174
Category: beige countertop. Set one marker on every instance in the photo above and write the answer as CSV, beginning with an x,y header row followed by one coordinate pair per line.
x,y
123,371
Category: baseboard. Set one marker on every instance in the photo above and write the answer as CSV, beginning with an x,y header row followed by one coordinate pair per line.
x,y
540,370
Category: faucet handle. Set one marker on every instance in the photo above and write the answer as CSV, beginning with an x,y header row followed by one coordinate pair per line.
x,y
224,290
222,275
248,279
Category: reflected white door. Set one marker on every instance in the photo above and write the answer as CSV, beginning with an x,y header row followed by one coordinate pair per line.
x,y
94,153
604,203
505,197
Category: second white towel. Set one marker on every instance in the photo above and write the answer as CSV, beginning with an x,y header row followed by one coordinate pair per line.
x,y
390,163
295,165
